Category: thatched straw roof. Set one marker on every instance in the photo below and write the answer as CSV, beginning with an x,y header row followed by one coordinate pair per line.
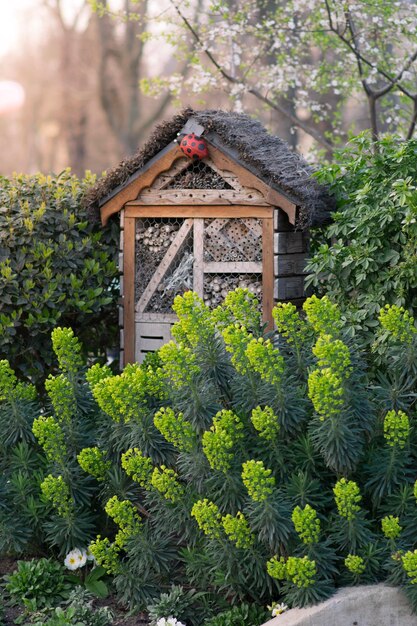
x,y
267,156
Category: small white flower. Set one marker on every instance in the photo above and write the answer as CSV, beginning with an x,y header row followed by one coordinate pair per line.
x,y
72,560
169,621
82,557
277,608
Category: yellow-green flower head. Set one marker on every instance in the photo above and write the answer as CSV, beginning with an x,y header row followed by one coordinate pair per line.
x,y
243,307
106,554
236,338
266,423
179,364
96,373
67,349
333,354
398,322
277,567
325,390
396,428
266,360
93,461
8,380
218,442
194,319
415,490
208,518
122,396
138,467
238,530
301,572
257,480
391,526
56,491
25,391
62,396
323,315
306,523
355,564
409,561
124,514
347,498
175,429
155,382
288,322
51,438
166,482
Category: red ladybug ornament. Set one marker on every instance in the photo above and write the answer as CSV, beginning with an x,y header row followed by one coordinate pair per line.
x,y
193,146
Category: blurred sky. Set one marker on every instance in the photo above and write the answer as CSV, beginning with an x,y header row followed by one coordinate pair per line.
x,y
20,17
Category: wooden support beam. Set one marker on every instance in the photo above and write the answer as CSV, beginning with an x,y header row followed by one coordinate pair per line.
x,y
268,271
233,267
200,196
135,209
129,291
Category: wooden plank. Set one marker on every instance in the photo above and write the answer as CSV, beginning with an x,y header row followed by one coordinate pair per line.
x,y
288,288
268,271
289,264
150,336
121,359
133,209
122,219
141,179
120,308
233,267
281,221
288,243
247,179
129,281
215,226
198,252
199,196
168,318
122,240
121,262
122,338
164,265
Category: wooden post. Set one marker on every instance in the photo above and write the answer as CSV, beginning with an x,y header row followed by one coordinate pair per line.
x,y
268,270
129,290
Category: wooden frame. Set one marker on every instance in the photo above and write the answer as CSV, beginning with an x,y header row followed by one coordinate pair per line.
x,y
166,159
196,215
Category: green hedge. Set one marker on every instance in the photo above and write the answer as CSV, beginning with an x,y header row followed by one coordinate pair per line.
x,y
367,257
55,268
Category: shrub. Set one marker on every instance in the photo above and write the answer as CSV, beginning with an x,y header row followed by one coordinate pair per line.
x,y
46,498
264,465
55,268
40,581
367,257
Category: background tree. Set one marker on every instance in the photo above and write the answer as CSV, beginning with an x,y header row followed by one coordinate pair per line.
x,y
311,61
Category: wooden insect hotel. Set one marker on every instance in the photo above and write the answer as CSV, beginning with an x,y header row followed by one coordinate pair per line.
x,y
211,203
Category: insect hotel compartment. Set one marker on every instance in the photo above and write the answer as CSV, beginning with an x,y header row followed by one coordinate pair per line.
x,y
174,255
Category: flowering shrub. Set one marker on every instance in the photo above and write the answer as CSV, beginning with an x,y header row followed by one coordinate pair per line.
x,y
221,464
243,482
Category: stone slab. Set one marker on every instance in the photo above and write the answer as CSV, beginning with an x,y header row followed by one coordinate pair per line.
x,y
370,605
